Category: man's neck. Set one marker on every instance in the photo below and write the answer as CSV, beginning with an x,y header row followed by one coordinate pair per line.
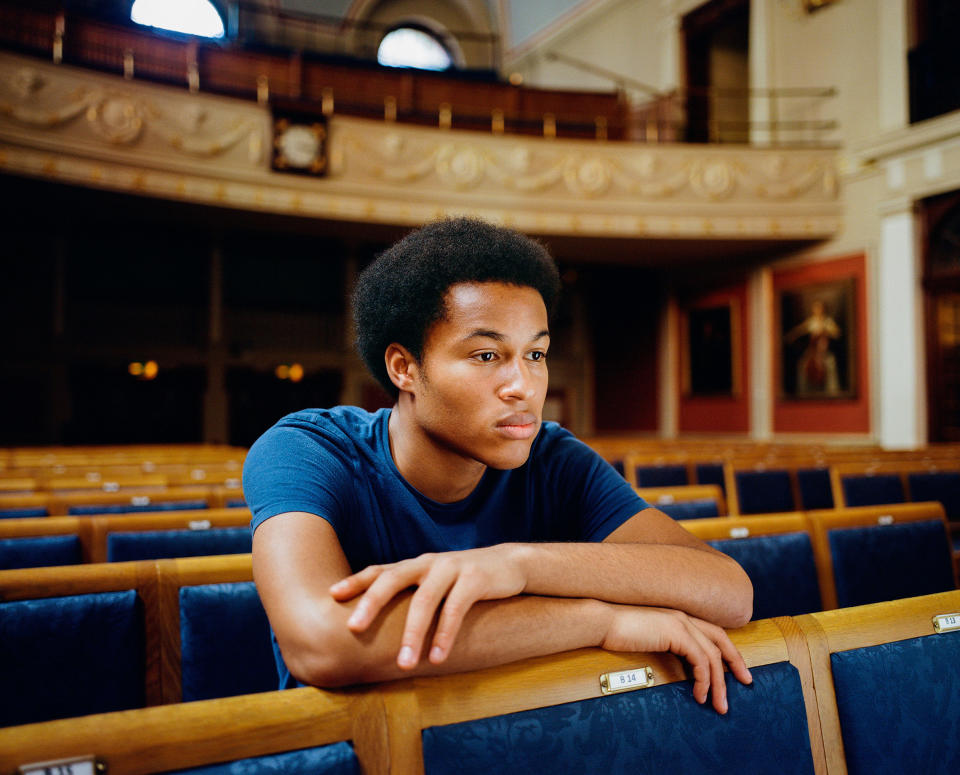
x,y
437,472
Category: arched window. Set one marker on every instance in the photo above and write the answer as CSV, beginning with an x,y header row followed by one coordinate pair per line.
x,y
413,47
194,17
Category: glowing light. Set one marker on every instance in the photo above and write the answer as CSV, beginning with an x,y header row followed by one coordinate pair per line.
x,y
296,372
194,17
408,47
135,369
282,371
150,369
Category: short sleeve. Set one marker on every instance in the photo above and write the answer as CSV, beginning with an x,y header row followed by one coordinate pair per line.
x,y
603,499
296,467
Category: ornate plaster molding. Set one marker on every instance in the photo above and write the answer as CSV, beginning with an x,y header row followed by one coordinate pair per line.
x,y
94,129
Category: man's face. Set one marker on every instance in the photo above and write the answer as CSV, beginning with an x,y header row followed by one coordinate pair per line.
x,y
483,374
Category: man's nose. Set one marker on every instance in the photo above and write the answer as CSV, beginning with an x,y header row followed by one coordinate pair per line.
x,y
518,383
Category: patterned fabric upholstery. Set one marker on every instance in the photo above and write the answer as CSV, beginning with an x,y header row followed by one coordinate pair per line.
x,y
656,730
899,706
943,486
129,508
872,490
40,551
156,544
224,642
20,513
70,656
335,759
761,492
887,562
697,509
782,570
661,476
815,491
711,473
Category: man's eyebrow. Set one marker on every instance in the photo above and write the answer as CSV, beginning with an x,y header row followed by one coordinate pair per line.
x,y
486,333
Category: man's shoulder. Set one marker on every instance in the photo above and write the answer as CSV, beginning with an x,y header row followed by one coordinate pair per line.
x,y
347,421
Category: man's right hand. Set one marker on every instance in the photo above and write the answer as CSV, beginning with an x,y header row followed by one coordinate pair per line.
x,y
703,645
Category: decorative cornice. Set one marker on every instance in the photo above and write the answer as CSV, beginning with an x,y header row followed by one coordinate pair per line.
x,y
72,125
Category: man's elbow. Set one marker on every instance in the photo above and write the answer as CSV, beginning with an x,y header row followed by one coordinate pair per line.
x,y
741,598
323,657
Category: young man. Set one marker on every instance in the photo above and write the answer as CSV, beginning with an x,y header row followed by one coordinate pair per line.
x,y
457,530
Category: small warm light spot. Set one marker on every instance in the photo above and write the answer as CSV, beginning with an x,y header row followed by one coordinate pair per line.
x,y
282,371
150,369
135,369
516,79
296,372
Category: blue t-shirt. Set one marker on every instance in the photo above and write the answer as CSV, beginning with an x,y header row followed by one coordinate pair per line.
x,y
336,463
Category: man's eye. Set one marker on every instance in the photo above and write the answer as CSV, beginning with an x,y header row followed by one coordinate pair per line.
x,y
486,357
537,355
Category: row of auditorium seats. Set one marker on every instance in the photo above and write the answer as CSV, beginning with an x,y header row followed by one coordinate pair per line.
x,y
867,689
801,562
751,488
35,542
79,502
165,630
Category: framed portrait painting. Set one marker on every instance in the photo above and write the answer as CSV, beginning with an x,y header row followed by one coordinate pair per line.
x,y
817,340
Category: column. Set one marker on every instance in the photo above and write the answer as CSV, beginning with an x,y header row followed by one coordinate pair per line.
x,y
216,425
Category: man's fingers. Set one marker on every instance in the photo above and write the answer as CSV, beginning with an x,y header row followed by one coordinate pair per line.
x,y
731,656
384,588
353,585
459,600
423,607
716,681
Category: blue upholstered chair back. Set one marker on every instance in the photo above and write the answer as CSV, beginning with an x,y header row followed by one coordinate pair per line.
x,y
618,467
899,706
39,551
782,570
761,492
157,544
887,562
130,508
711,473
943,486
225,642
236,503
71,656
815,491
696,509
655,730
661,476
39,511
334,759
872,490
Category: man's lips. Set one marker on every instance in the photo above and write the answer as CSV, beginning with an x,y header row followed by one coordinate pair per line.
x,y
522,425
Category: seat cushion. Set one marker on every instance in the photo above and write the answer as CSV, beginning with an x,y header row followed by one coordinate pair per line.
x,y
70,656
815,490
887,562
899,706
943,486
782,570
711,473
761,492
873,490
661,476
224,642
39,551
697,509
40,511
334,759
130,508
657,730
156,544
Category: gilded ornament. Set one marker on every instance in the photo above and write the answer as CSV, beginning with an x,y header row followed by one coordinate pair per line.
x,y
713,179
116,119
461,167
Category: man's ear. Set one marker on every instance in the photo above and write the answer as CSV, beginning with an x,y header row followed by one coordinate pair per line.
x,y
401,366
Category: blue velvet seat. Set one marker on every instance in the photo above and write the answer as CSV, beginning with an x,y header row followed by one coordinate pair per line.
x,y
661,476
21,513
39,551
656,730
899,706
71,656
943,486
887,562
695,509
782,570
236,503
815,491
762,492
711,473
872,490
130,508
334,759
157,544
224,642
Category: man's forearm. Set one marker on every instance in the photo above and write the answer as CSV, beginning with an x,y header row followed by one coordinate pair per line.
x,y
706,584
